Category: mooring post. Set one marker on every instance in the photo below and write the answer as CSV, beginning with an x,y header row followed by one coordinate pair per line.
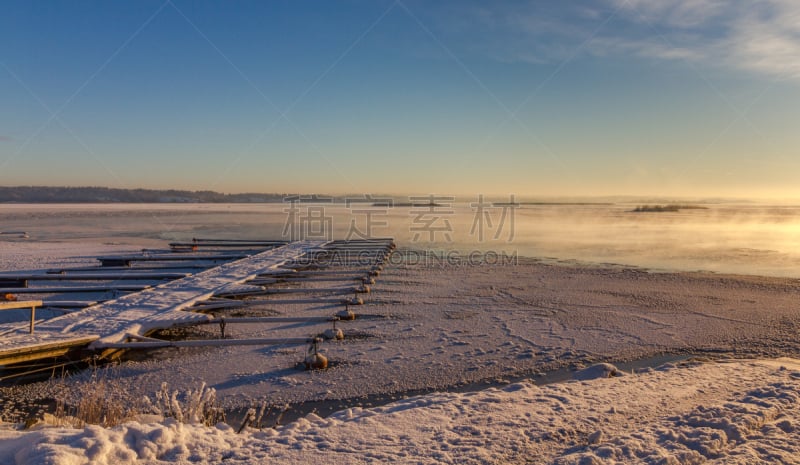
x,y
33,316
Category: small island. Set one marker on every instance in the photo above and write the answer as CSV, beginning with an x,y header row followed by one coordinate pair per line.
x,y
666,208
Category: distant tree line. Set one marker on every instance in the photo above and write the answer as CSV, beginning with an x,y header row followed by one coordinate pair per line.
x,y
37,194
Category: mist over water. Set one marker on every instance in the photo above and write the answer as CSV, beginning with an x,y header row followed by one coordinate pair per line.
x,y
742,239
726,238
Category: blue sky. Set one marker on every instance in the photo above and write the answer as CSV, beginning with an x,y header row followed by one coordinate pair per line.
x,y
605,97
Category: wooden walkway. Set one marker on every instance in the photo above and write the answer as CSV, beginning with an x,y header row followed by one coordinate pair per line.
x,y
154,308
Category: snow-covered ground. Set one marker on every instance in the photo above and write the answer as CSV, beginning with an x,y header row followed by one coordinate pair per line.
x,y
437,327
440,326
741,412
434,327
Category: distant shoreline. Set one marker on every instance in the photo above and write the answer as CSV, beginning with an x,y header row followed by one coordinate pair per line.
x,y
108,195
518,204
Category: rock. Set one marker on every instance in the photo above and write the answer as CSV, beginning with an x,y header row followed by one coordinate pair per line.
x,y
595,438
601,370
346,315
332,333
316,362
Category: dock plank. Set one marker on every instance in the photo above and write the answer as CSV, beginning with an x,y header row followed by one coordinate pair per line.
x,y
173,257
77,276
73,289
18,304
225,244
51,345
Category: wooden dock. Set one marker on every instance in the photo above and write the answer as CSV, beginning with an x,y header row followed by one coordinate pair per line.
x,y
125,322
155,308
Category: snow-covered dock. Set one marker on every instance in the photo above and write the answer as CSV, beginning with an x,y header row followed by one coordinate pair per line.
x,y
139,313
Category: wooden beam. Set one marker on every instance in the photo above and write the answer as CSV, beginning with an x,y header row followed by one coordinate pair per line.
x,y
312,290
222,244
67,289
291,273
43,350
20,304
267,241
13,282
269,302
21,234
207,305
175,257
201,343
32,304
272,319
70,303
127,269
91,276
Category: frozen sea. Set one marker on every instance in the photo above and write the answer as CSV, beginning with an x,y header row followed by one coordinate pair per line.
x,y
738,238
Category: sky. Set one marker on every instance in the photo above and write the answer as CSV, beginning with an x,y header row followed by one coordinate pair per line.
x,y
681,98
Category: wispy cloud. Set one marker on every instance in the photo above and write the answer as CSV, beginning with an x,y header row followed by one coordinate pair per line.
x,y
5,138
675,13
759,36
509,32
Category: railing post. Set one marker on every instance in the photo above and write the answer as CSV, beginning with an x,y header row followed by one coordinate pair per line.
x,y
33,316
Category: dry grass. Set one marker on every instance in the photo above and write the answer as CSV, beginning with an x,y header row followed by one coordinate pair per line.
x,y
102,401
197,407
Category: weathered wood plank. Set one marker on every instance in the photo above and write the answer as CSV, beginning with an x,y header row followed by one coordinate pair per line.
x,y
53,347
20,304
126,260
242,244
72,289
91,276
200,343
